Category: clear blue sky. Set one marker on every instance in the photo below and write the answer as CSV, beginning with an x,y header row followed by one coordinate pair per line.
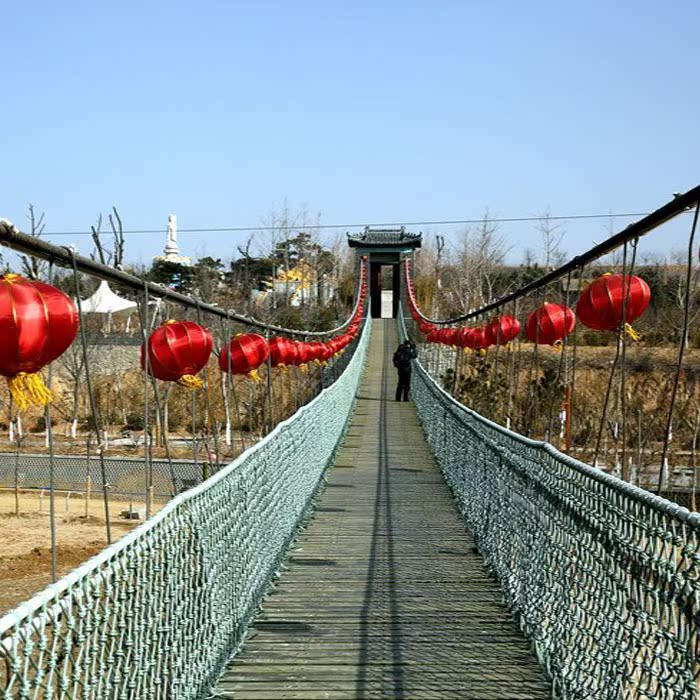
x,y
367,111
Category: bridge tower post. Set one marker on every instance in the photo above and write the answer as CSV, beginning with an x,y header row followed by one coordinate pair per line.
x,y
384,248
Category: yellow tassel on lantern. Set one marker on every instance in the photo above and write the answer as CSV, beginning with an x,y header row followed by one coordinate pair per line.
x,y
304,369
558,346
468,351
254,375
190,381
29,390
628,330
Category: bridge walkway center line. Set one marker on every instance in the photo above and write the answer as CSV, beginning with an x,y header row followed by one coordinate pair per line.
x,y
384,595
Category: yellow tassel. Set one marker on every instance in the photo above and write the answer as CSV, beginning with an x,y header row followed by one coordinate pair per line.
x,y
29,390
558,346
468,351
635,335
254,375
304,369
190,381
482,352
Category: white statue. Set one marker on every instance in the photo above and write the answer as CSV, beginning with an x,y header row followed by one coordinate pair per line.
x,y
171,244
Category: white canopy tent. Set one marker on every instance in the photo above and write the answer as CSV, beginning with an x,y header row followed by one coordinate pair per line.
x,y
105,301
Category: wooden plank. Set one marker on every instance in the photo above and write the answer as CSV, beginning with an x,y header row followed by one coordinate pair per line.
x,y
384,595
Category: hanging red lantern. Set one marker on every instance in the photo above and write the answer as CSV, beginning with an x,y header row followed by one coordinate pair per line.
x,y
450,336
550,324
426,327
479,339
177,351
244,354
603,302
283,351
433,336
38,323
318,351
502,330
303,355
465,338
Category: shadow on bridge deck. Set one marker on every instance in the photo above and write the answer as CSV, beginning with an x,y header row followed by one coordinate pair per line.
x,y
384,596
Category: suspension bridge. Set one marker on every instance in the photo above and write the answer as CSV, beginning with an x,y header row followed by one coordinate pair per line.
x,y
366,548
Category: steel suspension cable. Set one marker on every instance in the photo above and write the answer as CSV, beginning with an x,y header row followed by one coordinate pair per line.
x,y
681,347
91,395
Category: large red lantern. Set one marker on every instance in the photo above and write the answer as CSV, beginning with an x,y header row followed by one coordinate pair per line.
x,y
604,302
502,330
244,354
38,323
283,351
550,324
177,351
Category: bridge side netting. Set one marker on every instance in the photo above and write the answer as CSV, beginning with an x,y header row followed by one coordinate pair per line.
x,y
159,613
603,577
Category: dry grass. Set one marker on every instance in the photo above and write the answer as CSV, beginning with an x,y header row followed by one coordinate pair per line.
x,y
25,540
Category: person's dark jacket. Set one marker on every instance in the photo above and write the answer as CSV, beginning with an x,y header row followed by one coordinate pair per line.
x,y
403,356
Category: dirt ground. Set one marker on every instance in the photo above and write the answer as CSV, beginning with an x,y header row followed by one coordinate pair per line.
x,y
25,539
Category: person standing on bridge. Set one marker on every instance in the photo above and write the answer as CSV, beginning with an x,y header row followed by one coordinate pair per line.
x,y
403,357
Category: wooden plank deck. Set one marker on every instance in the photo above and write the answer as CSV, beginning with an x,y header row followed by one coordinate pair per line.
x,y
384,595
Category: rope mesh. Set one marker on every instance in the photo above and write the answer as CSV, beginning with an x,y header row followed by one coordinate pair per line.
x,y
602,576
159,613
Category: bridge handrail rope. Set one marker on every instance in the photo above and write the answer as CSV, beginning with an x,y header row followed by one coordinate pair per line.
x,y
679,204
158,613
21,242
602,576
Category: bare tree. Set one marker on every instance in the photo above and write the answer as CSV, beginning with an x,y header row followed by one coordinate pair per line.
x,y
477,262
34,268
551,235
114,257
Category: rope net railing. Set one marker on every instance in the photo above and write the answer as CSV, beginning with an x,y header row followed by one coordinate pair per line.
x,y
158,613
110,417
599,356
603,577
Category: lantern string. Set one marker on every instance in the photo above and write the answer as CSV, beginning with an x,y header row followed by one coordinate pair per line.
x,y
627,288
52,466
209,417
560,369
571,433
148,469
681,347
91,395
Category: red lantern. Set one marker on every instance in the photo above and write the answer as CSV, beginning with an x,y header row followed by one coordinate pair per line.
x,y
38,323
550,324
450,336
426,327
244,354
318,351
283,351
479,338
465,337
502,330
303,355
602,303
177,351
